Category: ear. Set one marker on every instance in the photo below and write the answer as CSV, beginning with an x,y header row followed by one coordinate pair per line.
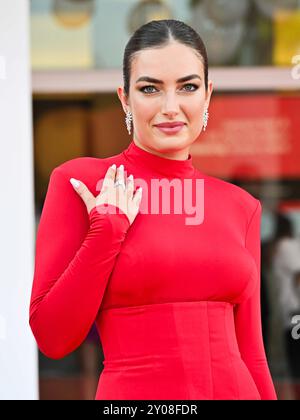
x,y
123,98
208,93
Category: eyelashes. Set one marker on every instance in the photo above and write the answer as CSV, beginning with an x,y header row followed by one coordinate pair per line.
x,y
195,87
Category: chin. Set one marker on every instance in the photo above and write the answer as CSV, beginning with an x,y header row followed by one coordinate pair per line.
x,y
170,144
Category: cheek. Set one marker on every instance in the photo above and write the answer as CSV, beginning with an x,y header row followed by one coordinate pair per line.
x,y
195,109
144,110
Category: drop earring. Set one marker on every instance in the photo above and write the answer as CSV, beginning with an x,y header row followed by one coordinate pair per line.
x,y
128,120
205,119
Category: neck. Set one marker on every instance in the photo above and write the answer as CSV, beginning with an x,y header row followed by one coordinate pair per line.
x,y
158,165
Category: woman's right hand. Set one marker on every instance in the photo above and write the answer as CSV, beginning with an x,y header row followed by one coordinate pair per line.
x,y
125,199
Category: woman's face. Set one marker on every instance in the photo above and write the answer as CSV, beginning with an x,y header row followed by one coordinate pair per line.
x,y
153,103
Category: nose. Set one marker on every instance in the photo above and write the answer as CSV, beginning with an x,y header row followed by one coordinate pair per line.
x,y
170,105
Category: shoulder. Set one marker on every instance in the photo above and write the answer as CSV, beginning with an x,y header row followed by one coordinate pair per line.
x,y
87,165
89,170
83,165
234,196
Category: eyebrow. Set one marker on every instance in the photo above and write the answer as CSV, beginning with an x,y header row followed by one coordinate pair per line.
x,y
182,79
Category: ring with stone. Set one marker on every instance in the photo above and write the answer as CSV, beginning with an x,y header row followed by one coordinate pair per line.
x,y
120,182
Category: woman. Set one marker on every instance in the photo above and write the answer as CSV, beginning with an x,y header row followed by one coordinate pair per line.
x,y
176,298
286,268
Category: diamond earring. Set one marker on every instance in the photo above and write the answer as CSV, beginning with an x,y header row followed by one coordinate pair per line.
x,y
205,119
128,120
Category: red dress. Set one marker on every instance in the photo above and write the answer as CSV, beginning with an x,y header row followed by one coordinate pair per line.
x,y
176,304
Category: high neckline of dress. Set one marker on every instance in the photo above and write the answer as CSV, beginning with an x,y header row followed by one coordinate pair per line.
x,y
161,166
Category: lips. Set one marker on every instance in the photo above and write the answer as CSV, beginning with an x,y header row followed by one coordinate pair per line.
x,y
170,125
171,130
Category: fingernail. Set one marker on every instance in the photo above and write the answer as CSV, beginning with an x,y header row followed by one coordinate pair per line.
x,y
130,177
140,189
113,166
121,167
74,182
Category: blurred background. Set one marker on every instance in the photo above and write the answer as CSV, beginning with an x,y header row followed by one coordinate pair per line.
x,y
75,66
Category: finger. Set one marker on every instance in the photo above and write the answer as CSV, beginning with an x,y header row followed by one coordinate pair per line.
x,y
109,178
121,188
130,185
137,196
120,174
83,191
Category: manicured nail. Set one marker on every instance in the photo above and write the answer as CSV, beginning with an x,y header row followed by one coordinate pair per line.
x,y
131,177
113,166
121,167
74,182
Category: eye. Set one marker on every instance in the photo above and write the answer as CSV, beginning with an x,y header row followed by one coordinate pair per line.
x,y
151,86
193,85
145,87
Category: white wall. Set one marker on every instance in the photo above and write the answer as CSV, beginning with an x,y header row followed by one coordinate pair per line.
x,y
18,352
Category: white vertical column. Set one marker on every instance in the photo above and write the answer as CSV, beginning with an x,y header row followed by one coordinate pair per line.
x,y
18,352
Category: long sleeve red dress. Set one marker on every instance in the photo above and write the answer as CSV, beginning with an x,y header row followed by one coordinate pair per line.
x,y
176,304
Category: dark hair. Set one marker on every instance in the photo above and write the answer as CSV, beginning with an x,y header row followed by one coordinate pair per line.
x,y
159,33
283,226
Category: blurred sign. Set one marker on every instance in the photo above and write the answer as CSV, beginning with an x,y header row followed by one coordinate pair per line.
x,y
286,36
56,47
250,136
